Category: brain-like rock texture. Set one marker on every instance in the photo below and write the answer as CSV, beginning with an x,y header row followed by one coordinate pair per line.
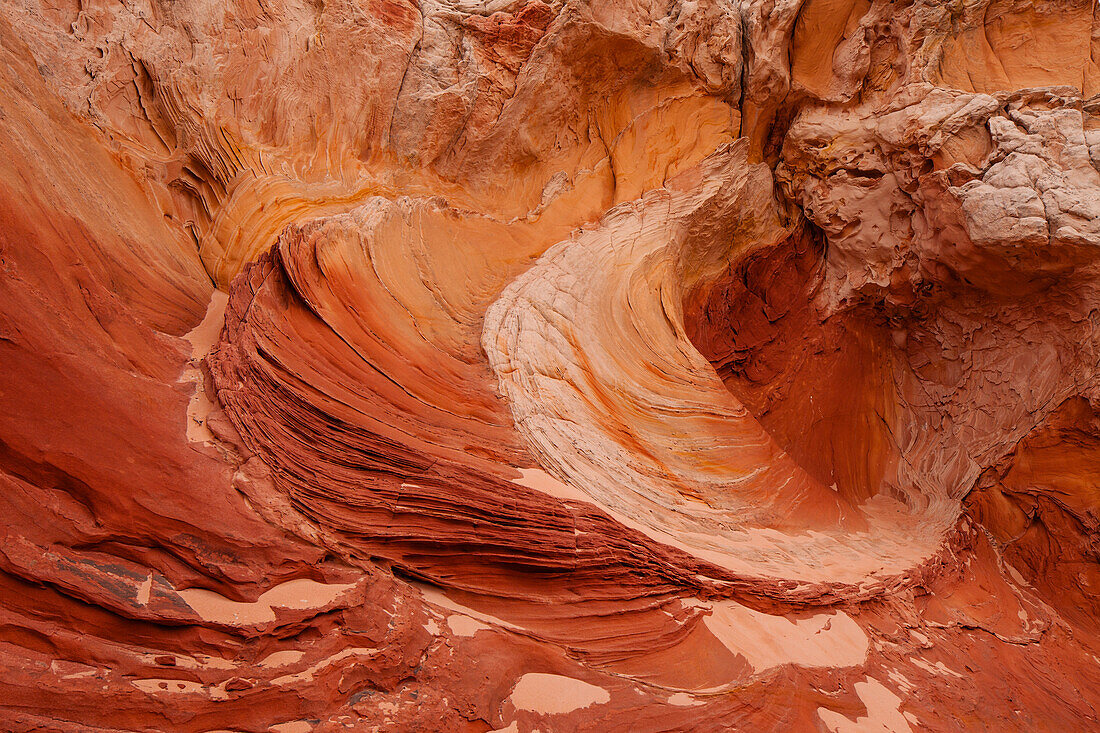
x,y
524,365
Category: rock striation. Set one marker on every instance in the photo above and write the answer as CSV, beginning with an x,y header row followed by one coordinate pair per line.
x,y
524,365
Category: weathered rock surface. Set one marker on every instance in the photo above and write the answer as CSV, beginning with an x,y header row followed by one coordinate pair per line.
x,y
559,366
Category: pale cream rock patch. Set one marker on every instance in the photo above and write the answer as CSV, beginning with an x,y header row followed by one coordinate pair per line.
x,y
205,335
294,594
553,694
883,714
198,661
202,338
292,726
436,596
900,680
462,625
69,670
938,668
161,686
1016,575
683,700
205,661
308,674
539,480
766,641
281,659
145,591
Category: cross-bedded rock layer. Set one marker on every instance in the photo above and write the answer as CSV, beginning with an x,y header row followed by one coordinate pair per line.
x,y
560,366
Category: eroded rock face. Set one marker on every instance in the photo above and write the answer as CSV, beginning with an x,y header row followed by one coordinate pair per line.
x,y
560,366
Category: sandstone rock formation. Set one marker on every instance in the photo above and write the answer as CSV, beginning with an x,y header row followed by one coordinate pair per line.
x,y
516,365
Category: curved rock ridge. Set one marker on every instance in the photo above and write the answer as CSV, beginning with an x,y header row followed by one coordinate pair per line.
x,y
590,350
549,365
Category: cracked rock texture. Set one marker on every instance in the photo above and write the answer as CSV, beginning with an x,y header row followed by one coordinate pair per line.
x,y
510,365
